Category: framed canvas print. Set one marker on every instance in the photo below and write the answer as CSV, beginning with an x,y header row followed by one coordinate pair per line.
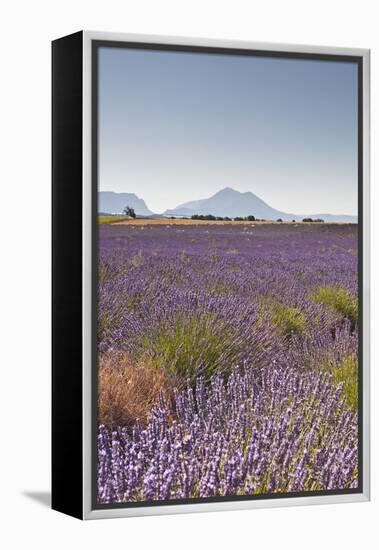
x,y
210,275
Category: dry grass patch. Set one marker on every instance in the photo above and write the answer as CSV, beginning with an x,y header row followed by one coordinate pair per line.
x,y
127,391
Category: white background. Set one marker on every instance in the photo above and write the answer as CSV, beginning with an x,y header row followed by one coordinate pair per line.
x,y
26,31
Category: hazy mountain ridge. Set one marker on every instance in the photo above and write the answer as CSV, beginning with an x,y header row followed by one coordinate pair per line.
x,y
114,203
232,203
226,202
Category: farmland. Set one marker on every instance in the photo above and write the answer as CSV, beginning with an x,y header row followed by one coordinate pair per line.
x,y
227,359
122,220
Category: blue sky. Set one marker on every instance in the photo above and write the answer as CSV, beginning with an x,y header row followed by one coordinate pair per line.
x,y
175,127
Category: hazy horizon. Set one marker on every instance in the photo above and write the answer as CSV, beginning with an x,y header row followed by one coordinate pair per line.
x,y
176,127
208,196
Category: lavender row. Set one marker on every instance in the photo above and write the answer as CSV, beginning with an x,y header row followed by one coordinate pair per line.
x,y
289,432
231,279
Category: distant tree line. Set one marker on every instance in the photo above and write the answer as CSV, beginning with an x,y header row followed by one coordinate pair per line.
x,y
210,217
319,220
251,218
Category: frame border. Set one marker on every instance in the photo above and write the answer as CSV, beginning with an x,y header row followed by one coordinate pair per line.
x,y
91,40
66,295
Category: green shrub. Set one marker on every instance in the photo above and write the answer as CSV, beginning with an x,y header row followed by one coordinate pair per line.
x,y
104,273
287,319
187,345
105,324
346,372
339,300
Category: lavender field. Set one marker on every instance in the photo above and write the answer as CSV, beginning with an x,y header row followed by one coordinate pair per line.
x,y
227,360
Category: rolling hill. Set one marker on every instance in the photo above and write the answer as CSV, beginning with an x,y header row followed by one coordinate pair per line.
x,y
114,203
232,203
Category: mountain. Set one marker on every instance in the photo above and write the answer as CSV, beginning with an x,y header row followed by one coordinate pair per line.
x,y
114,203
232,203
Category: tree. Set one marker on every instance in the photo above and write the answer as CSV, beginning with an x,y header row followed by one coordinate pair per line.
x,y
251,218
129,211
279,220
